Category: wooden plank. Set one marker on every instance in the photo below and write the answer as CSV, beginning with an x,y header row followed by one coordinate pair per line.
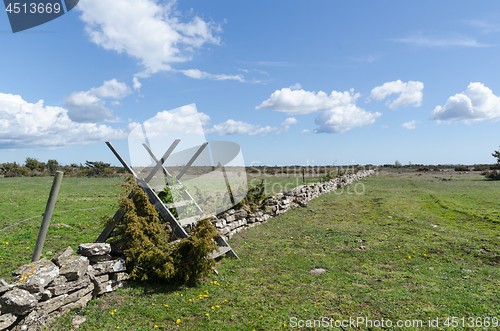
x,y
221,242
159,163
110,227
164,212
170,176
155,159
121,159
222,250
189,221
195,156
179,204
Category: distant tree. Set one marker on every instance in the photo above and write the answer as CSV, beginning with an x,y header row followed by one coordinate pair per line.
x,y
397,164
52,165
494,174
497,155
32,163
97,168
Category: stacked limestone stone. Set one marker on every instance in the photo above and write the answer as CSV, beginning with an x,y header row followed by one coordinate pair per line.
x,y
46,288
234,221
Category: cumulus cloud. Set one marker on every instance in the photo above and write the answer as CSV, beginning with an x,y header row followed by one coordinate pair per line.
x,y
146,30
409,93
295,86
231,127
87,107
342,119
33,125
290,121
410,125
304,131
137,83
476,103
111,89
339,112
185,119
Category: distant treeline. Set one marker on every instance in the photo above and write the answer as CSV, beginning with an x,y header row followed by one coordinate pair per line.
x,y
33,168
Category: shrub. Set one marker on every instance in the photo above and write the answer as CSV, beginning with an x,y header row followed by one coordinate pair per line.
x,y
493,175
147,246
462,168
172,193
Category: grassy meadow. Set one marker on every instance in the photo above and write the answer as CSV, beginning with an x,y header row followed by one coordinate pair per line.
x,y
410,248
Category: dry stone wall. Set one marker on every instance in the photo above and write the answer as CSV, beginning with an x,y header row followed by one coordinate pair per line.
x,y
47,288
234,221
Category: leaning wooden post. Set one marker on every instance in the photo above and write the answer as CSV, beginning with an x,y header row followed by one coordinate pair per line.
x,y
47,216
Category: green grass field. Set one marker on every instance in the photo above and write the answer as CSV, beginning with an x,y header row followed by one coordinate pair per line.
x,y
80,206
411,248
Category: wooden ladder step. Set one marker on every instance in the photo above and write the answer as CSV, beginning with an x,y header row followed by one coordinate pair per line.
x,y
222,250
160,188
179,204
189,220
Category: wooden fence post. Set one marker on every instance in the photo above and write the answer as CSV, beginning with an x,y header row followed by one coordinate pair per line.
x,y
47,216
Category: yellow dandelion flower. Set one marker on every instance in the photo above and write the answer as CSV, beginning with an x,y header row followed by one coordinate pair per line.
x,y
152,304
178,321
155,327
206,314
217,306
213,307
409,257
166,306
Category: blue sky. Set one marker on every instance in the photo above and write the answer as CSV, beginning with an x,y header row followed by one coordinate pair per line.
x,y
316,82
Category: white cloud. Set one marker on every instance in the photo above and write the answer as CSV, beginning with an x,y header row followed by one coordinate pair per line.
x,y
476,103
87,107
304,131
290,121
146,30
33,125
111,89
342,119
409,93
230,127
296,86
261,72
423,41
181,121
485,25
368,58
410,125
137,84
339,112
197,74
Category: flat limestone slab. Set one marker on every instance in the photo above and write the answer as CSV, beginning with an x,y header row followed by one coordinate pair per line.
x,y
94,249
